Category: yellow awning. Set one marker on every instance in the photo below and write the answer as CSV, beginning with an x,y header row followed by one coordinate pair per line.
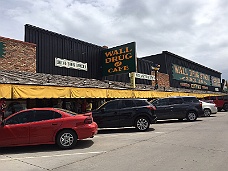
x,y
30,91
114,93
6,91
88,93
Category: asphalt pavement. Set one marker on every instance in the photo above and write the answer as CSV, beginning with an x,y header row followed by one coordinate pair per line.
x,y
168,145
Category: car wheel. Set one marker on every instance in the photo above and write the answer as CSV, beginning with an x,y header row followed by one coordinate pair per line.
x,y
207,112
142,123
191,116
66,139
225,107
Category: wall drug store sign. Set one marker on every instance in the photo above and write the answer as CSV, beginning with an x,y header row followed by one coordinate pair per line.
x,y
118,60
192,76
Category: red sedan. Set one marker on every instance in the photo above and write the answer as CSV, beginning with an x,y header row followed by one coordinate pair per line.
x,y
46,126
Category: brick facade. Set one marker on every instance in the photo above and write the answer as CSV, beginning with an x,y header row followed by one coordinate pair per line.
x,y
18,56
163,80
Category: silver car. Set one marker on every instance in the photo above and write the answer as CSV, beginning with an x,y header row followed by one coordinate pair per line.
x,y
209,108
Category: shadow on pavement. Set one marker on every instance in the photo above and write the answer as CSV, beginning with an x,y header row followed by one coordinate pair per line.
x,y
175,121
81,144
120,130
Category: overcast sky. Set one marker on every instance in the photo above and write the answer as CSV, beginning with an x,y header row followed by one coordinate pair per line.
x,y
194,29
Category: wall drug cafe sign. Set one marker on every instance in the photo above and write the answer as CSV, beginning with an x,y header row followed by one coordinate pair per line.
x,y
118,60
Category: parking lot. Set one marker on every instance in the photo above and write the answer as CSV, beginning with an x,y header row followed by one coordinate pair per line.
x,y
167,145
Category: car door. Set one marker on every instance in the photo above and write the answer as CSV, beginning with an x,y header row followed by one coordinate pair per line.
x,y
44,126
162,108
15,130
178,108
126,112
107,115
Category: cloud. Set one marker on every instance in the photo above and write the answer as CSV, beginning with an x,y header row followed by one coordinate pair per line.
x,y
196,30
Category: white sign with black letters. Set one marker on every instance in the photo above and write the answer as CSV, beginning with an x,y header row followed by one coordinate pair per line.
x,y
70,64
144,76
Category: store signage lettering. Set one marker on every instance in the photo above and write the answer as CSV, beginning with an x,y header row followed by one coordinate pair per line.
x,y
119,60
189,75
144,76
70,64
194,86
185,85
205,87
216,82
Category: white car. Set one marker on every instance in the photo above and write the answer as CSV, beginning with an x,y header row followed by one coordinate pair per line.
x,y
209,108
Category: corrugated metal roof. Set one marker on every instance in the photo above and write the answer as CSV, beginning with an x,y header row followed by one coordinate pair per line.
x,y
182,58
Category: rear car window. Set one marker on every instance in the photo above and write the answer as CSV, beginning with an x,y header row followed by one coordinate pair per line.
x,y
67,111
127,104
213,98
110,105
141,103
190,99
41,115
161,102
220,97
175,101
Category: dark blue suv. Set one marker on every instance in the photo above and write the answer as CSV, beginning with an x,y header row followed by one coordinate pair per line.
x,y
178,108
124,113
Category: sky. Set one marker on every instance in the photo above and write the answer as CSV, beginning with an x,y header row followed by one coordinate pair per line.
x,y
194,29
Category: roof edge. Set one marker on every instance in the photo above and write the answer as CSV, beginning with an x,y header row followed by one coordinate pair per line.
x,y
17,41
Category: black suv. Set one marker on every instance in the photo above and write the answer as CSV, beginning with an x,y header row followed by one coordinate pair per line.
x,y
125,112
178,108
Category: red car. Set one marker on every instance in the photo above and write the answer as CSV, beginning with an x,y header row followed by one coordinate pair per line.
x,y
46,126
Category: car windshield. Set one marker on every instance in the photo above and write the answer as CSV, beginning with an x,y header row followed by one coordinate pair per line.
x,y
101,106
67,111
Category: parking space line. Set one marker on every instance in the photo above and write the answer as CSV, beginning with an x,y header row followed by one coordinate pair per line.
x,y
159,132
57,155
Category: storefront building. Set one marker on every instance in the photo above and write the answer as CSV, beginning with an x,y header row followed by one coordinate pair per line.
x,y
61,55
187,74
49,67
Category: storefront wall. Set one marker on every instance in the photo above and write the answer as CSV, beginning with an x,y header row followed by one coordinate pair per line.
x,y
17,55
184,73
75,57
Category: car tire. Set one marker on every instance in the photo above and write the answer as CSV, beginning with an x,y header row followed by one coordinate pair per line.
x,y
66,139
207,112
191,116
225,107
142,123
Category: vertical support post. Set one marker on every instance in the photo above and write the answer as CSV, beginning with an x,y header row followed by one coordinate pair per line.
x,y
132,79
